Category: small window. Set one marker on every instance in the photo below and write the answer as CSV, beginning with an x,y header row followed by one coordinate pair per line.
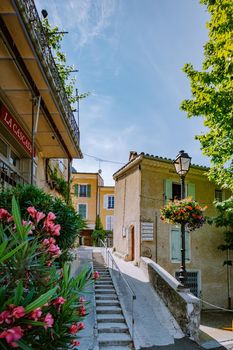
x,y
14,159
218,195
176,191
176,245
109,222
84,190
110,202
82,210
3,148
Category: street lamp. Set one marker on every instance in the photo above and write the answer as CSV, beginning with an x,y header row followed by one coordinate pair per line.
x,y
182,164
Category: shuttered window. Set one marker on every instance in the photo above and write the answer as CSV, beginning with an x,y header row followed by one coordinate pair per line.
x,y
172,190
176,245
109,222
82,210
82,190
109,201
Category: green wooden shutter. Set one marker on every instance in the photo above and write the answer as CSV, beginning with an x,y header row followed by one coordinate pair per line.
x,y
187,246
167,190
76,189
175,244
88,190
191,191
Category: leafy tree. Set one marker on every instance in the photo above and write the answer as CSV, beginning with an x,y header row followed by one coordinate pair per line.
x,y
54,37
212,92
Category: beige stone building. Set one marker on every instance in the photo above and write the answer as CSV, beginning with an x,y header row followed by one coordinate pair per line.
x,y
142,187
38,130
91,198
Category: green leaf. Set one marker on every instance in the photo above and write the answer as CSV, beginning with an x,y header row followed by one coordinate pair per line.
x,y
17,216
12,252
3,247
18,293
43,299
23,345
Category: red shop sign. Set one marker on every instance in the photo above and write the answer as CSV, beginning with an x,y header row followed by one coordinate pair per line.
x,y
15,129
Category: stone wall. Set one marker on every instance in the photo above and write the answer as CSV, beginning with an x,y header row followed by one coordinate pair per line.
x,y
183,305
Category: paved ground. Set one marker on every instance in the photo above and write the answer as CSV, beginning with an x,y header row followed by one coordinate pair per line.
x,y
153,322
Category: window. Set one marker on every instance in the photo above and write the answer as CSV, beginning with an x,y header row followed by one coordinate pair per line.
x,y
3,148
176,191
176,245
218,195
14,159
82,190
109,201
82,210
192,278
109,222
172,190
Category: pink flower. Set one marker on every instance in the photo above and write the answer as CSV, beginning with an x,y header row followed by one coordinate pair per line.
x,y
11,335
56,230
96,275
48,320
39,216
45,241
59,301
80,326
32,212
5,317
73,329
35,314
51,216
4,214
18,312
54,250
82,300
82,311
49,264
75,342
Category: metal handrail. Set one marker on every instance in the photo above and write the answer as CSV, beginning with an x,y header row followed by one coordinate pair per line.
x,y
108,255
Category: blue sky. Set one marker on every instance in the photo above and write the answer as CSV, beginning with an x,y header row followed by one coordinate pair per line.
x,y
130,55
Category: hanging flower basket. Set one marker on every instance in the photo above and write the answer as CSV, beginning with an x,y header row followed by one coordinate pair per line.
x,y
186,211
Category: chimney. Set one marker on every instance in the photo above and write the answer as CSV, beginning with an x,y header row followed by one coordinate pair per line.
x,y
132,155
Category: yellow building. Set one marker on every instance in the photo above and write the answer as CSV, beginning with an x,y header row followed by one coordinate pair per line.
x,y
142,187
36,120
91,198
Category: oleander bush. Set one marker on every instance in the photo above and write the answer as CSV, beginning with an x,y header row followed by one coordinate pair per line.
x,y
66,216
41,306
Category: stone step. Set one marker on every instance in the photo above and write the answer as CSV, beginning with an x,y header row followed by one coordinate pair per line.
x,y
105,286
107,303
106,297
116,347
114,339
108,310
101,283
104,291
108,318
112,328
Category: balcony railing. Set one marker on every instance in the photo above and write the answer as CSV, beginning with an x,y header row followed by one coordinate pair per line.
x,y
9,177
32,20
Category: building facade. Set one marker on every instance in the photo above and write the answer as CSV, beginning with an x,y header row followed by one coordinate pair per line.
x,y
142,187
91,199
38,131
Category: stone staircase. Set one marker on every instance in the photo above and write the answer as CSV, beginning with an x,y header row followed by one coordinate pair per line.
x,y
113,333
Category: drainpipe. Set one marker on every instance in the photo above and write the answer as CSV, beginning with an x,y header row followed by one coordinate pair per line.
x,y
33,140
69,178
